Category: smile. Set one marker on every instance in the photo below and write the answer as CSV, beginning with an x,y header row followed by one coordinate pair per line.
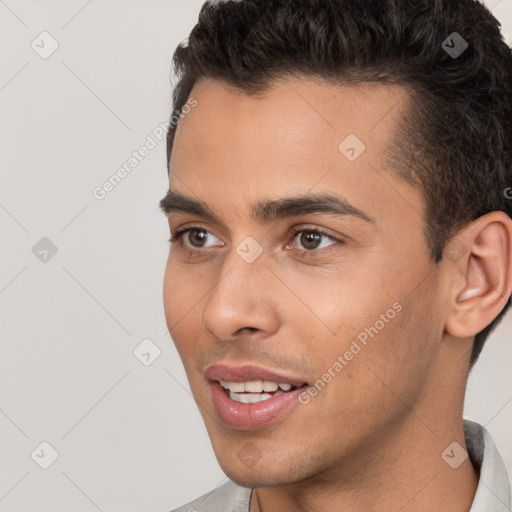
x,y
250,397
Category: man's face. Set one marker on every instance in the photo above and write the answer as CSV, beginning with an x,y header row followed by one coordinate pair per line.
x,y
358,316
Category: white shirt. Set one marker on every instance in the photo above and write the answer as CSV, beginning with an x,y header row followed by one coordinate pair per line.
x,y
493,493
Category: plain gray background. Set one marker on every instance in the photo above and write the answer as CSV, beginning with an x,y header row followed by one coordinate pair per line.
x,y
128,436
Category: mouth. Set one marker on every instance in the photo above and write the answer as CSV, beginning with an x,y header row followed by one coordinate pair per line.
x,y
250,397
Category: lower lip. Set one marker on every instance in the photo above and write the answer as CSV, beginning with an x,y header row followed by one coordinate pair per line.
x,y
251,416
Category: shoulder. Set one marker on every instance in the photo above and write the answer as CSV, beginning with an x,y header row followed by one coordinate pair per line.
x,y
229,497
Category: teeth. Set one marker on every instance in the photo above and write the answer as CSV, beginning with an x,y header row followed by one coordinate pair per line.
x,y
270,386
237,387
249,398
255,386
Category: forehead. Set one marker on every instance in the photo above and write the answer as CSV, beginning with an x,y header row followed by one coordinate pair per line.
x,y
299,136
296,109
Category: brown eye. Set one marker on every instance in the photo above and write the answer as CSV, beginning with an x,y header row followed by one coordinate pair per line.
x,y
196,237
311,239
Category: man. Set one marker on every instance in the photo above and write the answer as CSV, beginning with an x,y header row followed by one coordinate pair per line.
x,y
340,212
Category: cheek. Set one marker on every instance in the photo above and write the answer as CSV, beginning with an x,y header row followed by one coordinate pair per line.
x,y
333,305
173,307
395,358
358,383
182,298
368,329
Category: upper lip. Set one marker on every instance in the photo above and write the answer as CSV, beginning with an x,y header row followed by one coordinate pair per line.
x,y
248,373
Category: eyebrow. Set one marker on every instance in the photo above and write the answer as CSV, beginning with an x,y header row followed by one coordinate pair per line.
x,y
268,210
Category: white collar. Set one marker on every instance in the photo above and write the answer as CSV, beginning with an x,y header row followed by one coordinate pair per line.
x,y
493,493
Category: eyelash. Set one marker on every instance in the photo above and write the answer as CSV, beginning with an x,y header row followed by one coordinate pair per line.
x,y
312,253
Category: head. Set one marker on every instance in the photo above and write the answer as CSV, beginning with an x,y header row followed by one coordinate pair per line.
x,y
373,109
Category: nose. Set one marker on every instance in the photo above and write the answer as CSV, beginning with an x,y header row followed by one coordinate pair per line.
x,y
244,300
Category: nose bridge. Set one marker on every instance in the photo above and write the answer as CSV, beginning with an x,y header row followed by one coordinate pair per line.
x,y
240,295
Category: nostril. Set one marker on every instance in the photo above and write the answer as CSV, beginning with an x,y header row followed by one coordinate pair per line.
x,y
250,329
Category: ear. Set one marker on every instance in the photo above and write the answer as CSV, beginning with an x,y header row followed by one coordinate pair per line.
x,y
481,260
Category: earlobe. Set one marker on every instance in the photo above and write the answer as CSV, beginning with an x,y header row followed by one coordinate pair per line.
x,y
484,275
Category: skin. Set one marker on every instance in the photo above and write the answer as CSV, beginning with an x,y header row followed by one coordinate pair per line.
x,y
372,438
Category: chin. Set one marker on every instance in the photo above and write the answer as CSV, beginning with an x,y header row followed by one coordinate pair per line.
x,y
263,473
252,480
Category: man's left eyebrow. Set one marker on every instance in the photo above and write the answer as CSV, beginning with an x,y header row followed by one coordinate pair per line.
x,y
269,210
